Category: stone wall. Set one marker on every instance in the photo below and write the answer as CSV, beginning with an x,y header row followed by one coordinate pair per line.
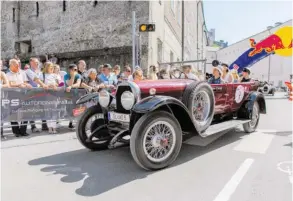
x,y
98,34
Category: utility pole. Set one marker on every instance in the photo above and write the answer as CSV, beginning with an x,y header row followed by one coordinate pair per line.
x,y
269,71
133,40
182,56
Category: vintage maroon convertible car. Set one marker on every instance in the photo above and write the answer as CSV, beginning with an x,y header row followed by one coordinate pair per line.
x,y
155,117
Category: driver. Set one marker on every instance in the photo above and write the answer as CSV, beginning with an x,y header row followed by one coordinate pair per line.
x,y
245,75
187,73
216,78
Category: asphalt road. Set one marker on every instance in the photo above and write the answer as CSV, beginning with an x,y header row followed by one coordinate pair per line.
x,y
234,167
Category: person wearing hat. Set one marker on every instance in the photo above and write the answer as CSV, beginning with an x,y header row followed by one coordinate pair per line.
x,y
227,77
216,78
245,75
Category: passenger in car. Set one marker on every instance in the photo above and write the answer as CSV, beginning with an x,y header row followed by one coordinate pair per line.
x,y
187,73
137,75
245,75
153,73
227,77
235,76
216,78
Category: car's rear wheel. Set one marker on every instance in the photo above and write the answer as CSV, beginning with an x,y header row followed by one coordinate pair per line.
x,y
251,126
92,119
156,140
199,99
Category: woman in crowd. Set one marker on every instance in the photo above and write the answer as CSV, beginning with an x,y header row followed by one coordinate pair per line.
x,y
153,73
93,80
100,69
60,74
137,76
117,71
52,81
3,84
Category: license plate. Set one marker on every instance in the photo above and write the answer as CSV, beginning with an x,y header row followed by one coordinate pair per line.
x,y
113,116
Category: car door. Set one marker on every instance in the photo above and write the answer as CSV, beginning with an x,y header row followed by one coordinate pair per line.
x,y
239,94
221,95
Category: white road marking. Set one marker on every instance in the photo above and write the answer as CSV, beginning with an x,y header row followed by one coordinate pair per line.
x,y
286,167
231,186
256,142
266,130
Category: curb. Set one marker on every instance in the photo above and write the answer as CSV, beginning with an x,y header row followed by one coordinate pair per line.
x,y
276,97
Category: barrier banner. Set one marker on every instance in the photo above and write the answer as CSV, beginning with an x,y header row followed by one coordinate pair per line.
x,y
39,104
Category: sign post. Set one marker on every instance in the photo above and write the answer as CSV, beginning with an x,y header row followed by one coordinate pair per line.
x,y
133,40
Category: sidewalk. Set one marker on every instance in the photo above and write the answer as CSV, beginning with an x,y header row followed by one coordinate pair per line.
x,y
278,95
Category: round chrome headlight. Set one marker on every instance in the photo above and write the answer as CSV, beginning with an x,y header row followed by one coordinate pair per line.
x,y
127,100
104,98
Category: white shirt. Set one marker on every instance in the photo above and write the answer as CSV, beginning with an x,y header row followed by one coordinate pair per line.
x,y
189,76
228,78
17,78
62,74
130,78
50,79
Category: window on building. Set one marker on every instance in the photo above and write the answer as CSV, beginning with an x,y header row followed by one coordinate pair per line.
x,y
178,59
23,46
64,6
173,6
160,2
37,8
171,56
13,14
160,51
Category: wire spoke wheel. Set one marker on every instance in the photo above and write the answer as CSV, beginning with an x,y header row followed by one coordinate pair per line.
x,y
201,107
159,141
255,116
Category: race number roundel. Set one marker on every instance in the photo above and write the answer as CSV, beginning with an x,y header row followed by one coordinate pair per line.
x,y
239,94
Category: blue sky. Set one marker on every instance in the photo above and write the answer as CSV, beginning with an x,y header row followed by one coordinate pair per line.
x,y
236,20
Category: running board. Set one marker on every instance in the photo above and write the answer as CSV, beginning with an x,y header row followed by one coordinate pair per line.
x,y
217,130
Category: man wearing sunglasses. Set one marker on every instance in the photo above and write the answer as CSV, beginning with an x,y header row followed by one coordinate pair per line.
x,y
72,79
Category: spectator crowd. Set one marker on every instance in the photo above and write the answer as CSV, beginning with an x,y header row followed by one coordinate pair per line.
x,y
46,74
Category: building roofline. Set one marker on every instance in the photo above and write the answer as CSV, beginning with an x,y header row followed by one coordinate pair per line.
x,y
255,35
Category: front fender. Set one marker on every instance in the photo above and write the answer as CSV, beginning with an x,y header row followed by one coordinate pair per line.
x,y
151,103
167,103
247,107
87,98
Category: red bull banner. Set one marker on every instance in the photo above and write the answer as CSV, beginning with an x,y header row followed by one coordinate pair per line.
x,y
279,43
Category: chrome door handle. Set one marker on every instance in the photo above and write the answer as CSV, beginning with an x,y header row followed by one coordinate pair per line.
x,y
226,94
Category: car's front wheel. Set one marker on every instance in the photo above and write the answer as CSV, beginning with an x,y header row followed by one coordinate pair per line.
x,y
156,140
91,130
251,126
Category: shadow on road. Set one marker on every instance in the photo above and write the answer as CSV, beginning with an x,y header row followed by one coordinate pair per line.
x,y
105,170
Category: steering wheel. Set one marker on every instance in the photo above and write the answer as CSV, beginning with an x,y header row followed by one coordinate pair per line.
x,y
178,72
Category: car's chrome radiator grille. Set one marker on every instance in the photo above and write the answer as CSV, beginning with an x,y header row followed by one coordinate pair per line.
x,y
265,88
120,90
